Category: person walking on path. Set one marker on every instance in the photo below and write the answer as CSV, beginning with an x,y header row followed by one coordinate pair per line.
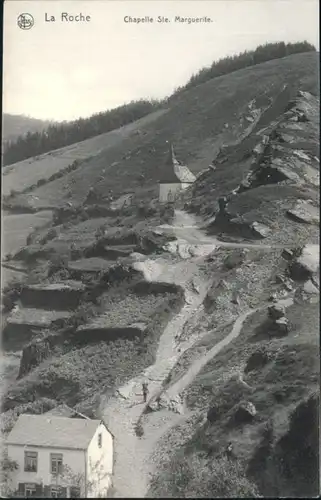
x,y
145,391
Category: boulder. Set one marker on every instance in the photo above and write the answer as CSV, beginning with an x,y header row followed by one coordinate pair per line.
x,y
281,327
307,264
304,212
245,413
260,230
310,289
276,311
287,254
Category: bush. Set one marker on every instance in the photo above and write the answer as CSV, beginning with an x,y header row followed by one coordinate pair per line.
x,y
191,476
10,295
51,234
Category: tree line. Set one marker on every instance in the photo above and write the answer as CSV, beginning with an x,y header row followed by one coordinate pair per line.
x,y
226,65
58,135
64,134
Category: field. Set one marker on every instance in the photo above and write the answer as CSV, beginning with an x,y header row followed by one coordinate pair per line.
x,y
17,227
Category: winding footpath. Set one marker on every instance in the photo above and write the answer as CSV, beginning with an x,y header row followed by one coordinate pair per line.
x,y
122,411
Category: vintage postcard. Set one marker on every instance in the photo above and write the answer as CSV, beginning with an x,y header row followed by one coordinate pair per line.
x,y
160,249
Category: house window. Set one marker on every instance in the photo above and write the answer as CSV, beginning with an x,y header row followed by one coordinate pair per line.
x,y
31,459
30,490
56,463
100,440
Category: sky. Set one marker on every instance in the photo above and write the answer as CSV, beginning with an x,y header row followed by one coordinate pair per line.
x,y
62,70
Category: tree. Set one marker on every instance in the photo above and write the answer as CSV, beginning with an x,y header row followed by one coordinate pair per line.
x,y
80,487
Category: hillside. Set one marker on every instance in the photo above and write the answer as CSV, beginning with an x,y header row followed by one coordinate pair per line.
x,y
198,122
15,125
213,300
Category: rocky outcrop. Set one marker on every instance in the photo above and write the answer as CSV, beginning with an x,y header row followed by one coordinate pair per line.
x,y
97,331
32,355
23,324
279,324
304,212
307,264
276,312
244,413
91,266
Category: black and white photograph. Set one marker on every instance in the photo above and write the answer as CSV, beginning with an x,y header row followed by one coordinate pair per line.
x,y
160,330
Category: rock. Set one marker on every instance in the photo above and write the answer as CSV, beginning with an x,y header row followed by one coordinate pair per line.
x,y
310,288
309,258
260,230
307,264
257,360
287,254
304,212
284,281
276,311
245,413
32,355
281,326
175,404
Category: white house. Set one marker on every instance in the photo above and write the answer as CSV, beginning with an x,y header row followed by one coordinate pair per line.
x,y
174,178
60,457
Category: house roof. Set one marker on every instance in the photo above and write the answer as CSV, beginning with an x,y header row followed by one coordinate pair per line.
x,y
53,432
173,172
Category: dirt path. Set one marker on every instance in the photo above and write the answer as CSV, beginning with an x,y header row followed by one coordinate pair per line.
x,y
186,227
122,411
196,367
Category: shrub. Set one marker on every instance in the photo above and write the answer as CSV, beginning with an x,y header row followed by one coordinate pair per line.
x,y
10,295
51,234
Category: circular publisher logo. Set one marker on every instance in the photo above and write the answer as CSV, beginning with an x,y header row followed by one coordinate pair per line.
x,y
25,21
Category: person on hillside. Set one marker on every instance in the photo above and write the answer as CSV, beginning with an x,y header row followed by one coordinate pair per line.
x,y
145,391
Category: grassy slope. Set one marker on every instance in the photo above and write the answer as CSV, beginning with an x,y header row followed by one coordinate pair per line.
x,y
195,123
23,174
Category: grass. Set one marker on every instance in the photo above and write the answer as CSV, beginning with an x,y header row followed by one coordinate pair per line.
x,y
192,476
28,172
